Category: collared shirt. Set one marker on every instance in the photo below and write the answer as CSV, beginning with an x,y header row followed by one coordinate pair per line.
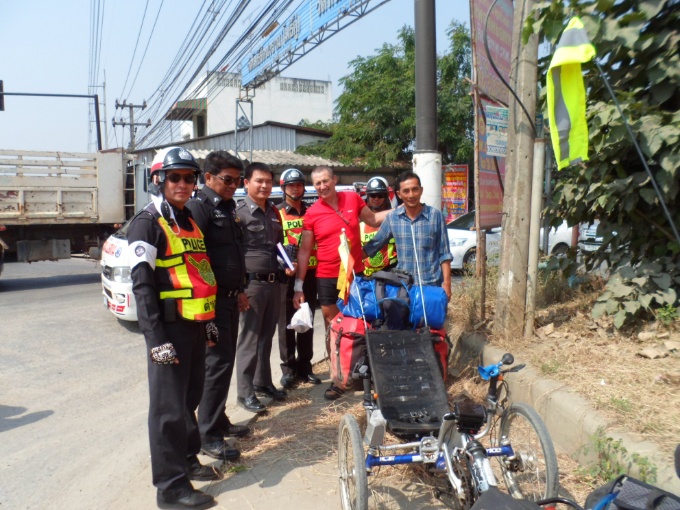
x,y
217,220
327,224
261,231
431,241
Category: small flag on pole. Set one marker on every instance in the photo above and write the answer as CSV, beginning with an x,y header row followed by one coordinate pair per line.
x,y
567,95
346,275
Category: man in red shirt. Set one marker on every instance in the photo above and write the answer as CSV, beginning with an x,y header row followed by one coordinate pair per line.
x,y
323,224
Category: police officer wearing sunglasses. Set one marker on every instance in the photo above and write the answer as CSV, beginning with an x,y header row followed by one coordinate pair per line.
x,y
213,208
175,289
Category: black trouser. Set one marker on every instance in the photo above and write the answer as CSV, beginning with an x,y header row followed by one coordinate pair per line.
x,y
257,325
289,339
219,366
174,393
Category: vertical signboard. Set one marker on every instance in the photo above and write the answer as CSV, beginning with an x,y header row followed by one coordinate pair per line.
x,y
490,93
455,191
491,173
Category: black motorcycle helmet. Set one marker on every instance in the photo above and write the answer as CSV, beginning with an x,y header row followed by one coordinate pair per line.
x,y
378,186
291,176
178,158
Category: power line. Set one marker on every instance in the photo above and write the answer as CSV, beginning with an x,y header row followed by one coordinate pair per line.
x,y
139,33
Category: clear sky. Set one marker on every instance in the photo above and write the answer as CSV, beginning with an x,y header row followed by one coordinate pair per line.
x,y
46,50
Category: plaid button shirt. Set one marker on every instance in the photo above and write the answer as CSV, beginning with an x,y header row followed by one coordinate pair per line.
x,y
431,241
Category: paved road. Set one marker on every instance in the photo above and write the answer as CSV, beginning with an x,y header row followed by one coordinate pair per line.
x,y
73,404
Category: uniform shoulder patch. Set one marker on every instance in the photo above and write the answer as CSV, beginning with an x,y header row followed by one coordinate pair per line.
x,y
140,250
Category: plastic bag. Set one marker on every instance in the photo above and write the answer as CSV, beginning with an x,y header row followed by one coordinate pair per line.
x,y
302,319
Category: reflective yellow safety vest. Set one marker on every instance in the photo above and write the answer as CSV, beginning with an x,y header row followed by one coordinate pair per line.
x,y
567,95
192,281
292,232
387,256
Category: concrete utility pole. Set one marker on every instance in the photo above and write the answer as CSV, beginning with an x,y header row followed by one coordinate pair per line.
x,y
427,161
512,278
132,123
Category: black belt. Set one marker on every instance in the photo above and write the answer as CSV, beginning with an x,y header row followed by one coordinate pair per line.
x,y
227,292
263,277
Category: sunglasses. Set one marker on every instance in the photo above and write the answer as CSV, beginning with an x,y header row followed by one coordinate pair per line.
x,y
228,179
175,178
376,195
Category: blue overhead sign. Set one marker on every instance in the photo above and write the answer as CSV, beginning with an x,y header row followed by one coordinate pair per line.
x,y
306,21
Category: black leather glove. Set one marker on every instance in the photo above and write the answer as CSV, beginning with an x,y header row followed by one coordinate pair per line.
x,y
211,332
164,354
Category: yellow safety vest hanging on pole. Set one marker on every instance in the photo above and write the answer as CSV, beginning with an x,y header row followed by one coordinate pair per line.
x,y
567,95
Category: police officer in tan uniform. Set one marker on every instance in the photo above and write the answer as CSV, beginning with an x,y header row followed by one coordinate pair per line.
x,y
261,226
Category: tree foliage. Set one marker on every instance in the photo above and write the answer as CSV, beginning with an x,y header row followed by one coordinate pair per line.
x,y
376,111
637,45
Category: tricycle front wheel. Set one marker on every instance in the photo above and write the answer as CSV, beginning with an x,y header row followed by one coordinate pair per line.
x,y
352,465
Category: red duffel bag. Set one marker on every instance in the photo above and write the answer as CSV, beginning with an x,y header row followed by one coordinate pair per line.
x,y
347,346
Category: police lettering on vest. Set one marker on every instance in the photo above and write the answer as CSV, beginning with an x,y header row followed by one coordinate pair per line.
x,y
292,232
192,282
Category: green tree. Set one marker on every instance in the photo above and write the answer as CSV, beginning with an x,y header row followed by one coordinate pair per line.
x,y
637,44
375,114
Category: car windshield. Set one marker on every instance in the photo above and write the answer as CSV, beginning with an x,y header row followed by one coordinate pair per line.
x,y
464,222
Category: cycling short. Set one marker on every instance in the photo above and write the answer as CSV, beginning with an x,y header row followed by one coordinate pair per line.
x,y
327,291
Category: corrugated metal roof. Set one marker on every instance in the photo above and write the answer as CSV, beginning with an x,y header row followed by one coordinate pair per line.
x,y
277,158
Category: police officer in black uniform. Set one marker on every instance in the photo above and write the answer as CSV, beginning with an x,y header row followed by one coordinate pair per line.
x,y
262,231
213,209
175,288
292,210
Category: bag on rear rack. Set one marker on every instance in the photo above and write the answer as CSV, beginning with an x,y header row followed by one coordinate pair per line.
x,y
361,297
436,302
392,296
348,346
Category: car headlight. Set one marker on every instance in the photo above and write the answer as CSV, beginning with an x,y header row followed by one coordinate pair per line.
x,y
121,275
459,241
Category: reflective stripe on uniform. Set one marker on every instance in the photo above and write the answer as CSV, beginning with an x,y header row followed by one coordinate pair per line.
x,y
567,97
188,268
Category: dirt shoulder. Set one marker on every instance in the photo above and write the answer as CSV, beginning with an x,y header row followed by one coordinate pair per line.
x,y
631,377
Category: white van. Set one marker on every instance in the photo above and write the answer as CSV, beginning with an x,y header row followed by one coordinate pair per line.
x,y
116,280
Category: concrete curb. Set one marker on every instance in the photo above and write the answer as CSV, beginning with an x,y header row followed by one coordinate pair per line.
x,y
571,420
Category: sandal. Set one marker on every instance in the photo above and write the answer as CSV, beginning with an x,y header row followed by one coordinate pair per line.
x,y
333,393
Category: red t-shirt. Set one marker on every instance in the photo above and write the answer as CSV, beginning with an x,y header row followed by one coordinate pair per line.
x,y
326,224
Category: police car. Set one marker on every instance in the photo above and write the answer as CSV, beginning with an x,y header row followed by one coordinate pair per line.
x,y
116,279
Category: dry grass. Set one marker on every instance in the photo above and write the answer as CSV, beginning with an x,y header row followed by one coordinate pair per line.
x,y
581,352
634,393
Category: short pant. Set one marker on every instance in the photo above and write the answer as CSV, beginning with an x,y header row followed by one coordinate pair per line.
x,y
327,291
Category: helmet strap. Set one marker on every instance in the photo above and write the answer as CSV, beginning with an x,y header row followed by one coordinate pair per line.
x,y
294,198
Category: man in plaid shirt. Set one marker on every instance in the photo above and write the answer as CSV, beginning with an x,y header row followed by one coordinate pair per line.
x,y
420,235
